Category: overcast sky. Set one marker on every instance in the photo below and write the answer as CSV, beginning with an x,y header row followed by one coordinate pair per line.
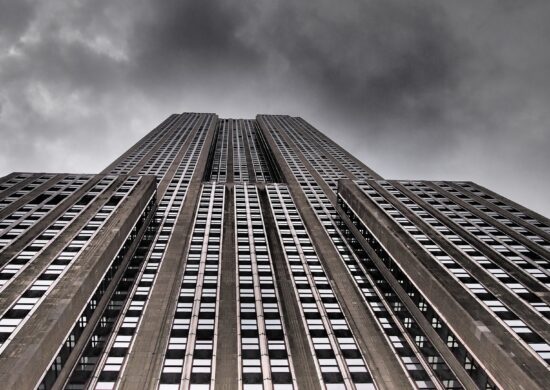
x,y
416,89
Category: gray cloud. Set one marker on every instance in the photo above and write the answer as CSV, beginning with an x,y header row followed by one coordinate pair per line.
x,y
371,58
14,18
418,89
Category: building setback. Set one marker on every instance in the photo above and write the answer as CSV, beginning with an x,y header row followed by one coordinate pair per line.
x,y
258,254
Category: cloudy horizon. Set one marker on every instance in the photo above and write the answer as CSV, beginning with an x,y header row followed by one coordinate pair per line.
x,y
416,90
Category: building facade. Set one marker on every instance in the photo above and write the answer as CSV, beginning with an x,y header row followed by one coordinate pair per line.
x,y
258,254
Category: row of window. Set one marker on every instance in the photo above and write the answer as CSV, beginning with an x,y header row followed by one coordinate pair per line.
x,y
476,229
240,166
6,183
264,360
13,319
112,362
334,150
312,151
218,168
11,196
528,227
164,156
308,135
244,135
464,356
27,215
149,142
420,358
65,349
259,162
477,191
495,304
190,356
14,266
338,358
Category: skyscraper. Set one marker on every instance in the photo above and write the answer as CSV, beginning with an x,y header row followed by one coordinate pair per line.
x,y
258,254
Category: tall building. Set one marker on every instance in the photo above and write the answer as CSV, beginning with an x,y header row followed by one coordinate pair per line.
x,y
258,254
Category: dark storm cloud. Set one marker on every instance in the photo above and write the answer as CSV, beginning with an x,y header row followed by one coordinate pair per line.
x,y
14,17
374,58
193,38
418,89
